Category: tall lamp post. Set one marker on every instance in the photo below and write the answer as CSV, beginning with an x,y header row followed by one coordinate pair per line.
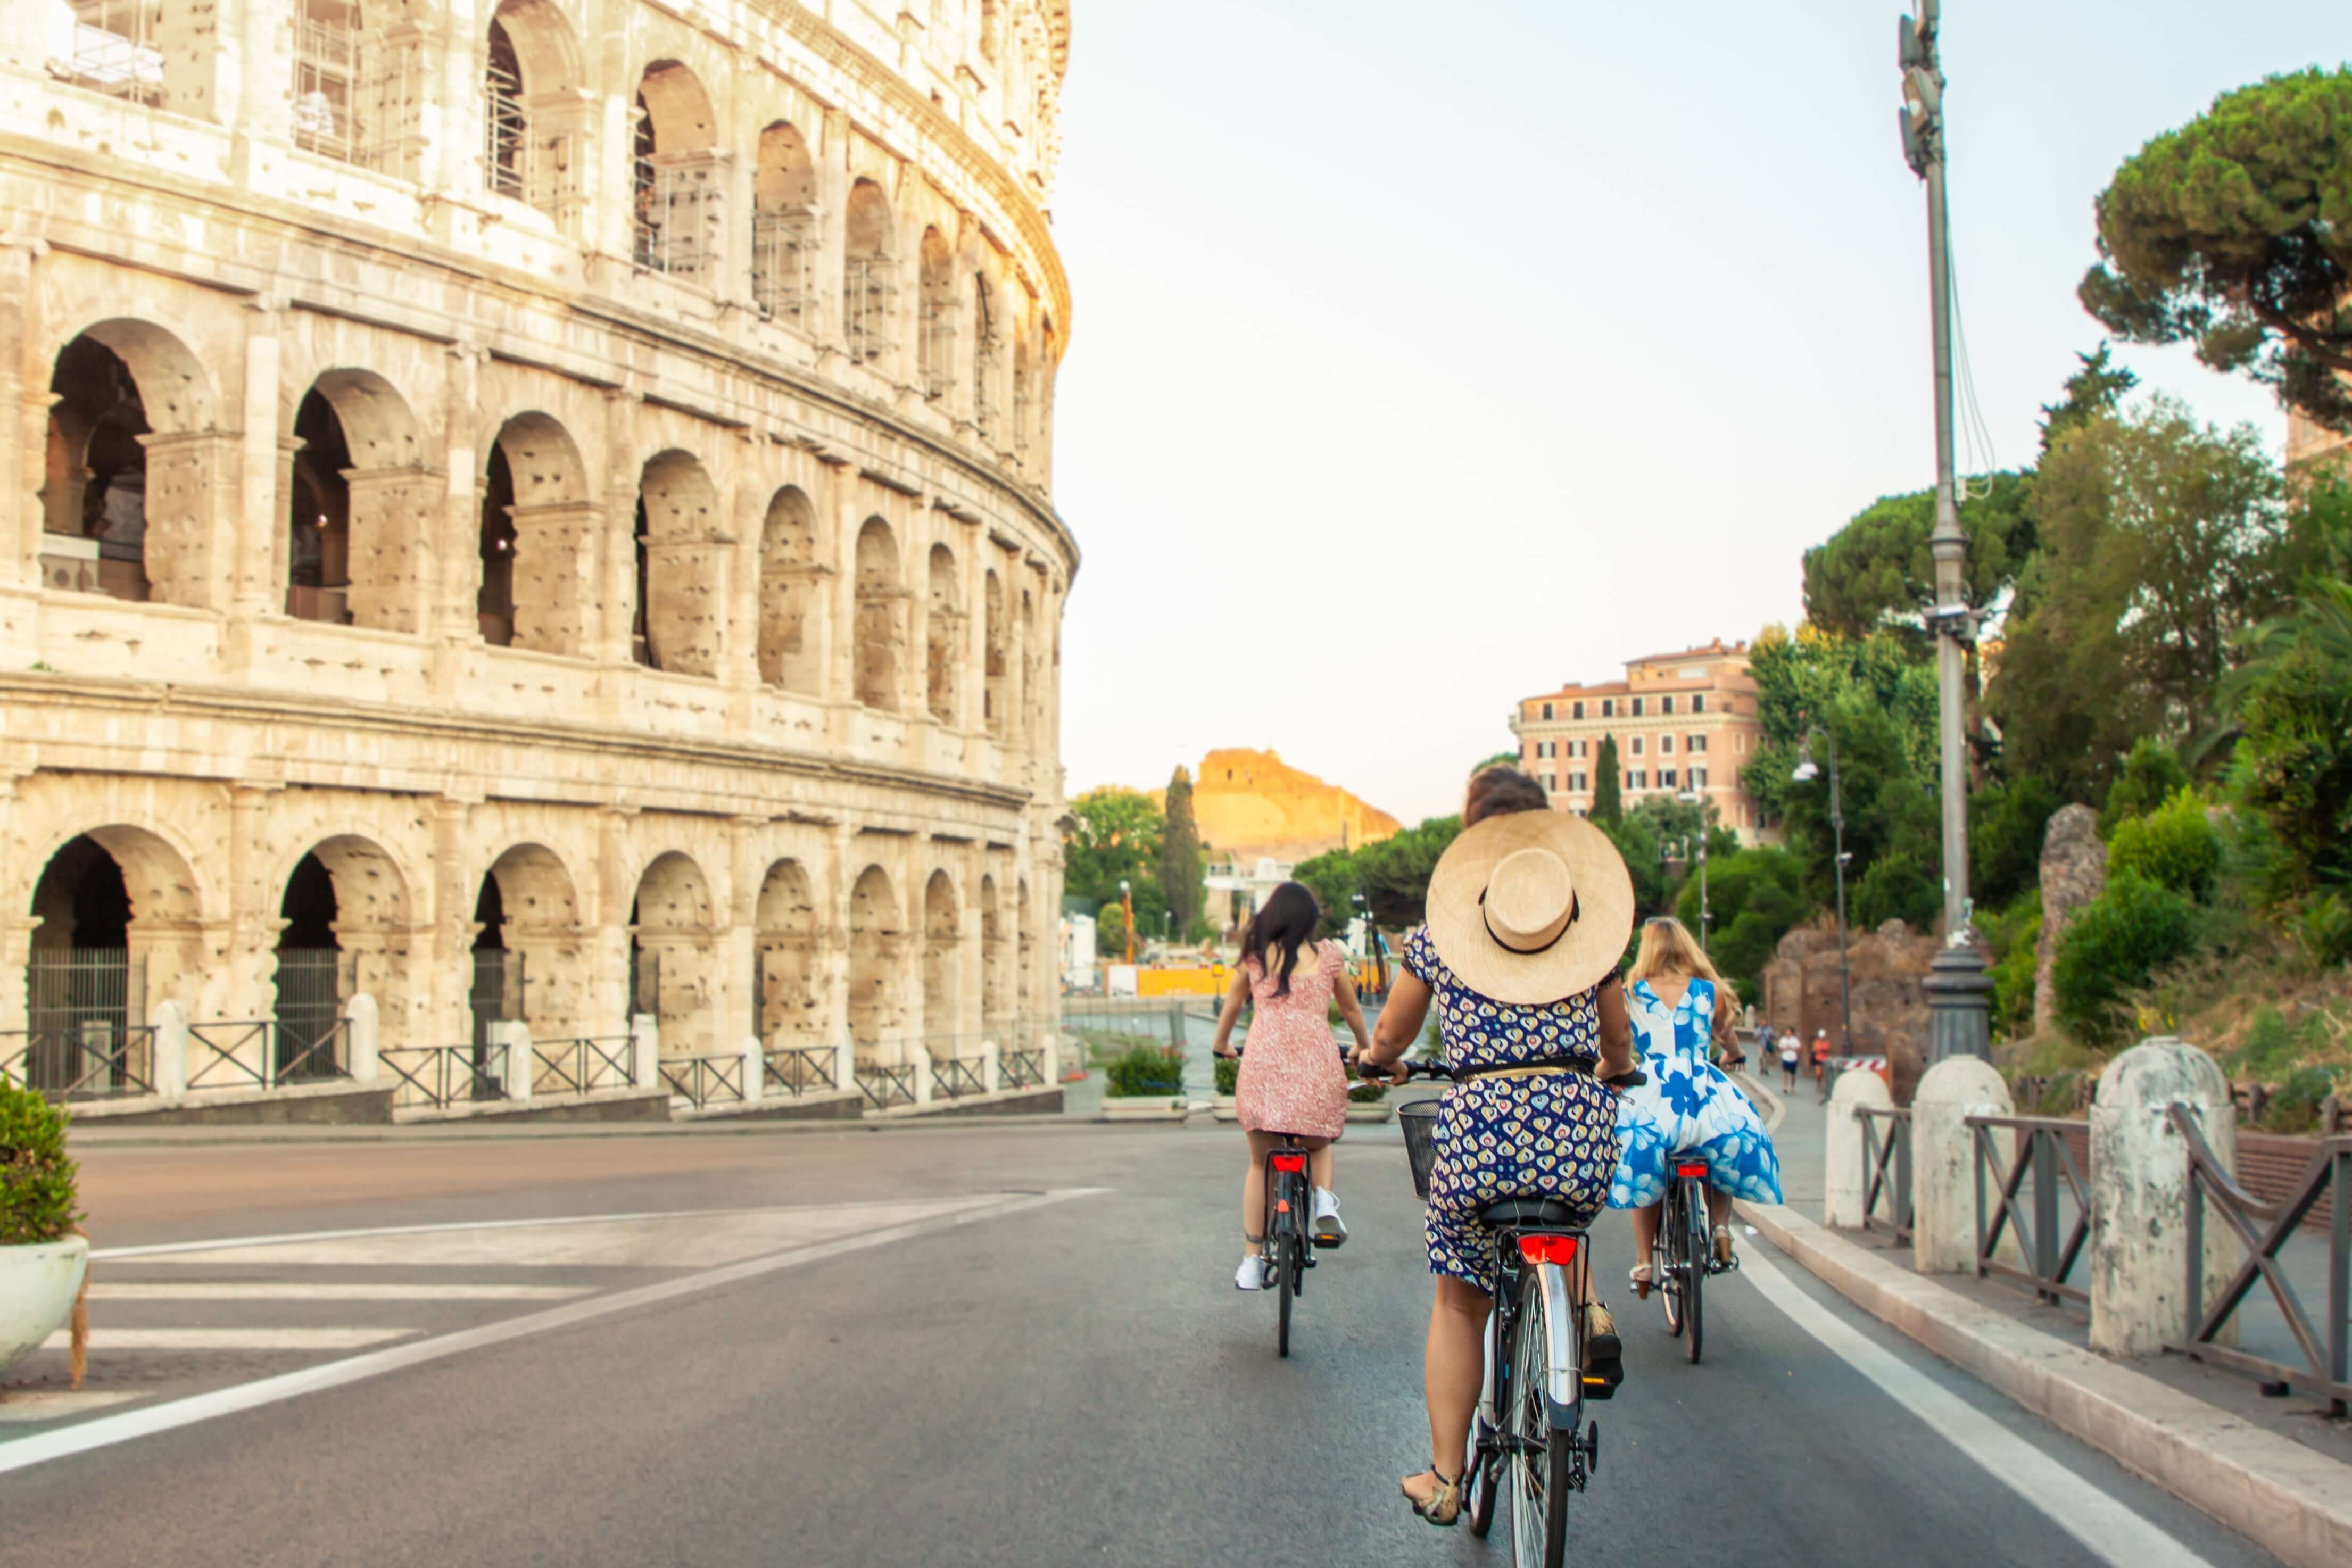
x,y
1126,905
1957,989
1805,774
1706,915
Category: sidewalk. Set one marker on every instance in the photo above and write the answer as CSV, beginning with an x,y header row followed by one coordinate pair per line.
x,y
2277,1472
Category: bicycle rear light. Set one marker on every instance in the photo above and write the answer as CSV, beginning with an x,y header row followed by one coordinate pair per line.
x,y
1691,1168
1548,1249
1291,1163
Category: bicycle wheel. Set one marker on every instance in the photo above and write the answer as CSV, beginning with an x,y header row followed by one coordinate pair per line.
x,y
1541,1461
1666,1256
1700,1243
1484,1479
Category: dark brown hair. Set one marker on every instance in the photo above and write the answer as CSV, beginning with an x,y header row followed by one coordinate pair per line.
x,y
1285,920
1498,792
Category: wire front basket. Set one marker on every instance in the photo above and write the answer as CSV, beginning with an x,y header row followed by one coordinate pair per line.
x,y
1417,1119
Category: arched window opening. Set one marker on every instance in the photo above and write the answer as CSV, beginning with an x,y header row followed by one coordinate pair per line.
x,y
319,518
84,991
987,348
791,595
881,630
641,643
310,990
494,603
674,175
875,934
868,281
991,965
505,150
108,47
677,608
942,955
784,229
674,944
996,665
787,1008
937,342
943,638
94,493
532,127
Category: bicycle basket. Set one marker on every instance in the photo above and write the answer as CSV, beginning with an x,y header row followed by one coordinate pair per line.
x,y
1417,1119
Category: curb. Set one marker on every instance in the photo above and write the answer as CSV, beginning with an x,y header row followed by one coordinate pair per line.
x,y
2275,1492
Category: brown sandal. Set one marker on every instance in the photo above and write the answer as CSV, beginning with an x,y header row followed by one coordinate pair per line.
x,y
1445,1507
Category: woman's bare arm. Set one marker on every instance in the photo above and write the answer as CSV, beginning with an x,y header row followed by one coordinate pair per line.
x,y
1400,1019
1351,1012
1235,995
1725,1017
1616,1030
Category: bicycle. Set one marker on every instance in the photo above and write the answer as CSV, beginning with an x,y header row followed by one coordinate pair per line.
x,y
1683,1255
1531,1418
1288,1228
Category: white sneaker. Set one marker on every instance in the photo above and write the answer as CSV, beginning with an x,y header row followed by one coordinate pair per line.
x,y
1251,1275
1327,1230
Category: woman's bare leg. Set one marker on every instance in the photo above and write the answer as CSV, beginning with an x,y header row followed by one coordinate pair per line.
x,y
1453,1370
1319,1162
1645,1231
1254,1193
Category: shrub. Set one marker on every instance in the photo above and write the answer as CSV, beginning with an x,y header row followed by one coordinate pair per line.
x,y
2151,775
2114,944
2014,937
2322,926
1368,1093
1229,1073
1146,1071
1896,887
37,1180
2295,1107
2173,846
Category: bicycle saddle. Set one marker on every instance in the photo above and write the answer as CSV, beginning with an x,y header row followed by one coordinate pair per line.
x,y
1529,1214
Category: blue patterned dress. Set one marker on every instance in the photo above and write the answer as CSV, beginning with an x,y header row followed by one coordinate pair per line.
x,y
1550,1136
1689,1108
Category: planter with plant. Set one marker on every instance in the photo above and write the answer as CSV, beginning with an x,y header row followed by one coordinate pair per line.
x,y
1229,1077
1145,1083
43,1254
1369,1103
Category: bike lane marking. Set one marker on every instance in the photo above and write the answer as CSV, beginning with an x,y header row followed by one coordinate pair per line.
x,y
105,1431
2107,1528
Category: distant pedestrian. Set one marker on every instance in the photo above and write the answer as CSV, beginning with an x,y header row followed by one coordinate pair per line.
x,y
1789,1044
1822,1061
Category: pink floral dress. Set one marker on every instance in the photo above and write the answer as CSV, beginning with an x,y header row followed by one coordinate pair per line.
x,y
1292,1077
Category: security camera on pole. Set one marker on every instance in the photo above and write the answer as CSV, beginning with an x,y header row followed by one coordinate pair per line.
x,y
1957,989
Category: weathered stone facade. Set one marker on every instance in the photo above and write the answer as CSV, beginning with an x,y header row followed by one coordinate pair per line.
x,y
2074,873
1885,968
563,483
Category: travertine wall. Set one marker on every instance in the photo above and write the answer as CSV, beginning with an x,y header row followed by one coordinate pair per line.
x,y
670,551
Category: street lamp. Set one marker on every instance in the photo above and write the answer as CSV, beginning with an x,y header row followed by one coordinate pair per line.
x,y
1706,915
1959,993
1126,906
1805,774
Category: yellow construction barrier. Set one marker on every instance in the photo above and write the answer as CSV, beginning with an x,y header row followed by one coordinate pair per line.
x,y
1192,982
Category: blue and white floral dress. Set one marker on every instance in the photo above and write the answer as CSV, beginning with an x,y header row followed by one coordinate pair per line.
x,y
1689,1109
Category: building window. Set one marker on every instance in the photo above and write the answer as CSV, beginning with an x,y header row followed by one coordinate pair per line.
x,y
1576,783
1666,778
1697,743
1549,785
1740,744
1698,702
1608,707
1666,705
1637,707
1699,778
1547,710
1638,778
1666,746
1637,746
1576,710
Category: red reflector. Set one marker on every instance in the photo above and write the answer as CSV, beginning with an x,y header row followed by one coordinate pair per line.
x,y
1690,1170
1290,1162
1548,1249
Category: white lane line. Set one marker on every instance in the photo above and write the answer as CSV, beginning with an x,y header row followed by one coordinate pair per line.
x,y
2108,1529
228,1339
42,1404
105,1431
296,1290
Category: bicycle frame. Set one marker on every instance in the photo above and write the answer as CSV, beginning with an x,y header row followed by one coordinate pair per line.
x,y
1544,1257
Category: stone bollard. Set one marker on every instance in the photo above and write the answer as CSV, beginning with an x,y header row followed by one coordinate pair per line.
x,y
645,1060
171,1072
521,1065
366,1065
845,1066
2139,1194
1943,1160
1049,1056
755,1071
1847,1175
922,1062
992,1067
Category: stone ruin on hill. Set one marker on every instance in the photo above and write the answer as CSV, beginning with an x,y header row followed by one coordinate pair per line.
x,y
1890,1008
2074,873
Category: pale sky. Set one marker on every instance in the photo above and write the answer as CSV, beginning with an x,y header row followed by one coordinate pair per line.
x,y
1427,357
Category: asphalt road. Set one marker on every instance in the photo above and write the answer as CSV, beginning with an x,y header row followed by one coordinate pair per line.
x,y
1023,1380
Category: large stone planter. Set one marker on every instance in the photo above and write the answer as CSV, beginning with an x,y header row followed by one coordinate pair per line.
x,y
1377,1110
1225,1108
1153,1108
39,1283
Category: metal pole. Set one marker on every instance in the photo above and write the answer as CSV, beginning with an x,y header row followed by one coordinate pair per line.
x,y
1837,832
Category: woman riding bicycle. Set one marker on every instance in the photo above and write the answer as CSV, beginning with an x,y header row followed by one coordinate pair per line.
x,y
1529,913
1292,1081
1688,1110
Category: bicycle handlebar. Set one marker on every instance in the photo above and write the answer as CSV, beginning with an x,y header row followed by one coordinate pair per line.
x,y
1632,1078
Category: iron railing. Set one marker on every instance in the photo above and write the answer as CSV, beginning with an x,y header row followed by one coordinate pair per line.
x,y
264,1053
799,1069
2043,1157
90,1060
2261,1228
1022,1070
953,1077
441,1076
584,1065
705,1081
887,1085
1885,1171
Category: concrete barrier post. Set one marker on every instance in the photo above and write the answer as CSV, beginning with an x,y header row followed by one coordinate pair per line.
x,y
171,1072
366,1065
1049,1056
991,1066
2139,1194
845,1066
519,1062
755,1071
645,1040
922,1060
1943,1160
1845,1170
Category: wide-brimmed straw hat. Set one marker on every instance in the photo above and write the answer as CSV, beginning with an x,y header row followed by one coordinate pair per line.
x,y
1530,906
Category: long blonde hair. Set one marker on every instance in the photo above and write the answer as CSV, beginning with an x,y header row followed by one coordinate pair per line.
x,y
1667,950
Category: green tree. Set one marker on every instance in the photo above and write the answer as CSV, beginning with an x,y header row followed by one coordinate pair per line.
x,y
1500,759
2096,390
2234,234
1756,896
2008,820
1393,873
1332,879
1114,836
1877,573
2150,776
2173,846
1182,870
1608,783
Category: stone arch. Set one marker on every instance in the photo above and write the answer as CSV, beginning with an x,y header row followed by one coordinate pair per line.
x,y
868,286
992,960
537,539
529,912
877,935
1024,397
787,1000
1024,977
535,122
118,930
673,946
987,355
943,966
784,239
943,638
881,632
676,624
344,927
361,504
995,659
133,463
675,175
936,339
792,595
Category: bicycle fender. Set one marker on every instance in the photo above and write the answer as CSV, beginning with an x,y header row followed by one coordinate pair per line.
x,y
1563,1390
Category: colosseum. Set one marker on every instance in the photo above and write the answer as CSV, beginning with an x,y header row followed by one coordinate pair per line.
x,y
533,525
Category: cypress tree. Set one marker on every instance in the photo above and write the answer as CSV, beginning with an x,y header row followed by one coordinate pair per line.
x,y
1181,872
1608,794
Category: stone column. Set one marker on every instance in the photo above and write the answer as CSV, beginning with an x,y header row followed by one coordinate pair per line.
x,y
609,1008
608,634
248,987
25,395
208,54
557,565
830,976
831,160
446,599
448,927
1847,1171
393,554
253,535
2139,1194
1943,1160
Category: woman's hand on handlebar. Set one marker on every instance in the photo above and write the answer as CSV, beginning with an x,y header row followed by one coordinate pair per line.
x,y
1392,1073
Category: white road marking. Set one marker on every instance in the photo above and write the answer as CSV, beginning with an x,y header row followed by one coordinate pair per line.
x,y
296,1290
227,1339
108,1430
2106,1528
44,1404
